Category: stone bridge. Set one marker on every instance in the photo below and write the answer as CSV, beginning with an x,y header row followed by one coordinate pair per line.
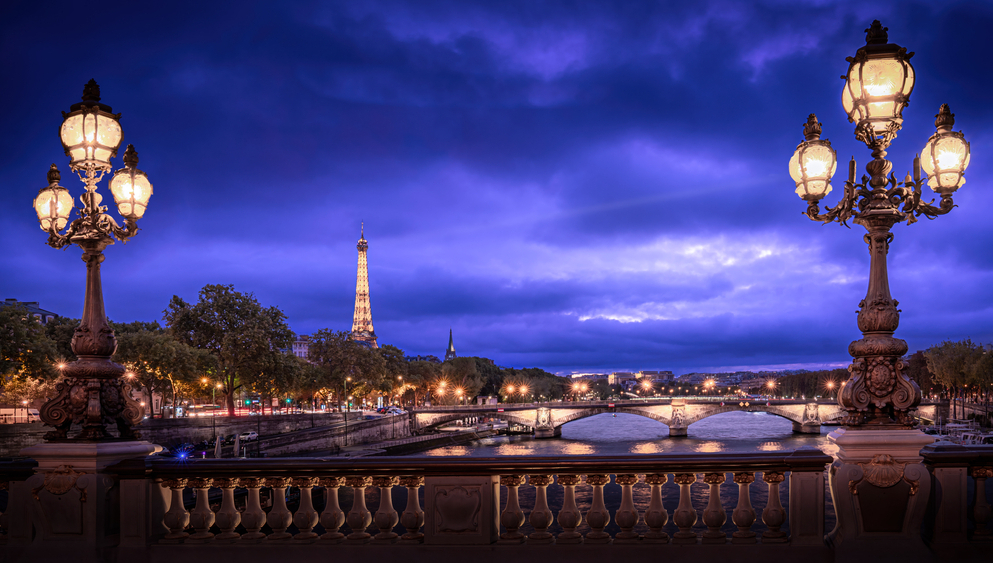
x,y
547,419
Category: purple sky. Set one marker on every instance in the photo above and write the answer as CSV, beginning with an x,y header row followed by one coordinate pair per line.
x,y
575,186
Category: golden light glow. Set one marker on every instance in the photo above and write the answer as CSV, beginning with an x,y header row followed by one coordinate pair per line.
x,y
131,190
524,389
510,389
53,206
812,166
770,384
945,158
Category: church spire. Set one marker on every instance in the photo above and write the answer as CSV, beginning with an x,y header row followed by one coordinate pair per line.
x,y
362,330
450,353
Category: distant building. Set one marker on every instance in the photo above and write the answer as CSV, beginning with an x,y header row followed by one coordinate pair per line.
x,y
428,358
34,310
450,353
301,347
656,376
619,377
588,376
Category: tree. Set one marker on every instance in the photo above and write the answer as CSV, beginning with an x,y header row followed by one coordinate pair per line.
x,y
422,376
60,331
241,335
919,373
158,362
395,368
952,365
461,378
24,349
344,359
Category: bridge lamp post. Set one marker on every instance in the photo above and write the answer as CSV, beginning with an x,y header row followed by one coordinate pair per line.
x,y
459,392
877,88
93,390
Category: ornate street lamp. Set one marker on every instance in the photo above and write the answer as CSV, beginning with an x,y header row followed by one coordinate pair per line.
x,y
92,391
877,88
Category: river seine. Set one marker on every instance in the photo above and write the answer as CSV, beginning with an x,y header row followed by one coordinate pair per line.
x,y
632,434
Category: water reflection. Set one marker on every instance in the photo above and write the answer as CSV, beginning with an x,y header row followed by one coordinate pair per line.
x,y
709,447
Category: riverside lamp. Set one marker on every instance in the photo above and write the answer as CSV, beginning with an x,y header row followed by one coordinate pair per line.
x,y
92,390
877,88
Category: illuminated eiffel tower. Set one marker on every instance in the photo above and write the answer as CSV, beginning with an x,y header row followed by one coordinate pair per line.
x,y
362,323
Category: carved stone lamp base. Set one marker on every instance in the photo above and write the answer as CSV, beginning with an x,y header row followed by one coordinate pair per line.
x,y
880,490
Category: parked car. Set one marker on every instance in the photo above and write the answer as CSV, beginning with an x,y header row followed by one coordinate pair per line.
x,y
248,436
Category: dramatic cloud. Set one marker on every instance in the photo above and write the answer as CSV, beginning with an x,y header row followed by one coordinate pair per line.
x,y
574,186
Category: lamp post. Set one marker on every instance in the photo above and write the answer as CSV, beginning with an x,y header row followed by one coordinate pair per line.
x,y
91,135
347,408
877,87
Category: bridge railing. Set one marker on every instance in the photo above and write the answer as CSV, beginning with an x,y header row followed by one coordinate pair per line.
x,y
960,510
226,501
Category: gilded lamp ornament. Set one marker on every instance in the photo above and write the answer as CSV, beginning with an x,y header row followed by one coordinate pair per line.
x,y
877,88
91,390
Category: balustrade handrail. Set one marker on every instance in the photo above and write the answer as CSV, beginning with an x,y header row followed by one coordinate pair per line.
x,y
948,454
154,467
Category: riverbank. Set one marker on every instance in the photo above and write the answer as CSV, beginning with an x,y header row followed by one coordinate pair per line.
x,y
404,446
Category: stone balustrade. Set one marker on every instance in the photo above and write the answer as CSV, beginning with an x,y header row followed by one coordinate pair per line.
x,y
462,499
168,510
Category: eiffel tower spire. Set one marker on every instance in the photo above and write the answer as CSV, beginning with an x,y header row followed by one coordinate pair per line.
x,y
362,322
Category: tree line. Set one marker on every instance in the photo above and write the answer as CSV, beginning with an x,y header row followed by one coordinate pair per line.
x,y
228,344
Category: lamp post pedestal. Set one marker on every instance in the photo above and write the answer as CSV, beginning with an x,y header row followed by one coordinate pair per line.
x,y
880,491
69,504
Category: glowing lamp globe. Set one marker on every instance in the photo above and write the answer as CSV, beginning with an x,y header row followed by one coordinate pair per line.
x,y
131,187
946,155
878,84
53,203
813,163
90,133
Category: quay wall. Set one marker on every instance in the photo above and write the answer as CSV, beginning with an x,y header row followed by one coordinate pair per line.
x,y
169,431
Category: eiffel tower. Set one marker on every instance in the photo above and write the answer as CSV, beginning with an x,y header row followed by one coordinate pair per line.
x,y
362,331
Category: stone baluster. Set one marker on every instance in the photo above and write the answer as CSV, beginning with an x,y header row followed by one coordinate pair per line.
x,y
541,516
656,516
981,508
176,518
627,515
512,516
773,515
386,517
305,518
333,516
254,517
684,517
597,516
201,517
359,516
743,515
569,517
412,517
279,516
714,516
228,516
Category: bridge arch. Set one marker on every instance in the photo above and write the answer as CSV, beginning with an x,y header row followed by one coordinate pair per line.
x,y
586,413
444,418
